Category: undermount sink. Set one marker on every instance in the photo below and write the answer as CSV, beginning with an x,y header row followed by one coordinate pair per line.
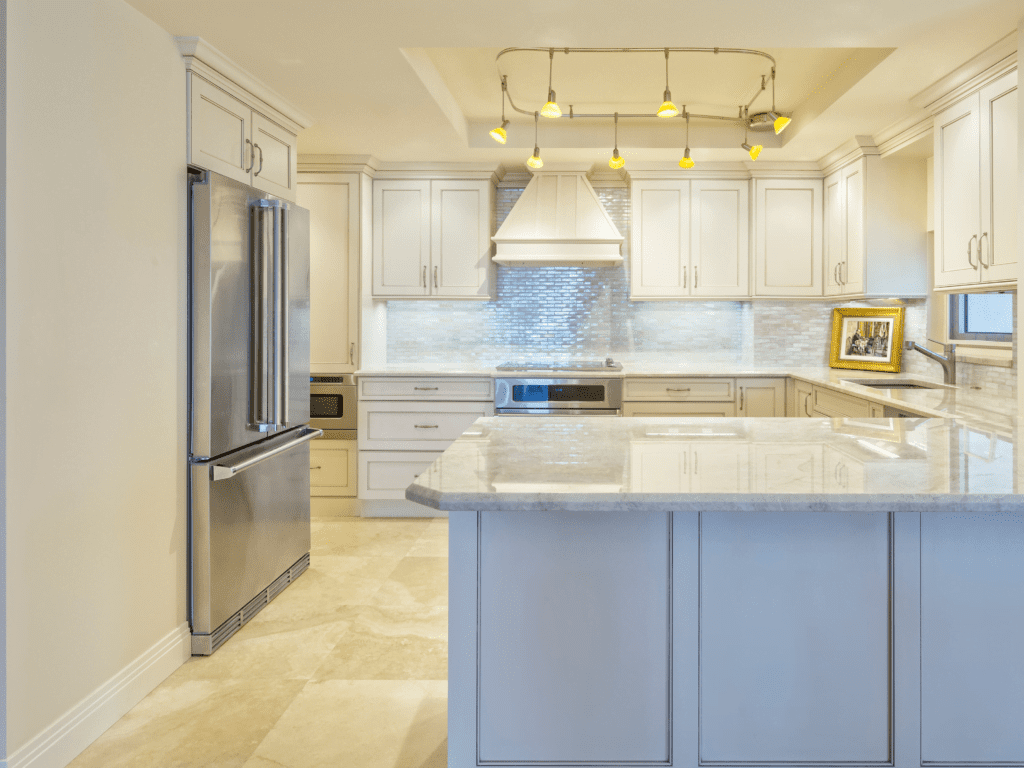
x,y
896,384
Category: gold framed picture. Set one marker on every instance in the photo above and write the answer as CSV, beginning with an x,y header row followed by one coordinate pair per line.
x,y
867,338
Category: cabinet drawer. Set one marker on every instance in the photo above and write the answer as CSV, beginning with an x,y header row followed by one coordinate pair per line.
x,y
715,390
386,474
481,389
679,409
835,404
332,468
390,426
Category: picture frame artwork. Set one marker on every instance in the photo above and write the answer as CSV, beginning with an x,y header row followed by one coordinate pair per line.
x,y
867,339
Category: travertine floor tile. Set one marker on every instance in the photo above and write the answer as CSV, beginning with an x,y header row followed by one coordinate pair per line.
x,y
390,643
373,724
416,581
193,723
364,538
433,542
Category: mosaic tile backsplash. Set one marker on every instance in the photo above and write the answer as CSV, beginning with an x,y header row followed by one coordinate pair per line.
x,y
548,313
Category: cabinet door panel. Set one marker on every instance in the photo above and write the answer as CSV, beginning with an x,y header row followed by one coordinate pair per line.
x,y
719,468
787,468
834,229
276,162
220,125
656,467
957,189
852,271
332,468
333,204
795,634
661,239
788,258
460,238
401,238
761,397
999,179
386,474
720,238
972,618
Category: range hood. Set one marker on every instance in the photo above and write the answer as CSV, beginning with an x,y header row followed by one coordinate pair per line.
x,y
558,222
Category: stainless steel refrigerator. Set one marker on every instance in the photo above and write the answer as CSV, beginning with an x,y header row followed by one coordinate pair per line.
x,y
248,403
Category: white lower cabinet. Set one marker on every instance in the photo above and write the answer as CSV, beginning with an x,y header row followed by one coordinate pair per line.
x,y
698,467
404,424
333,467
761,397
826,402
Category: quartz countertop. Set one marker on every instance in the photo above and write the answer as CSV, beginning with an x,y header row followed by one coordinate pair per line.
x,y
715,464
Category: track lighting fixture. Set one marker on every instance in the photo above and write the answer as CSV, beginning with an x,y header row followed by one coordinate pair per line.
x,y
551,109
760,121
687,161
616,161
499,134
667,108
535,161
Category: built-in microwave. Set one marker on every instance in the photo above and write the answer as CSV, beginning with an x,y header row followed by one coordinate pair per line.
x,y
332,402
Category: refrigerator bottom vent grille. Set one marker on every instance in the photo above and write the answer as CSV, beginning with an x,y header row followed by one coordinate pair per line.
x,y
234,623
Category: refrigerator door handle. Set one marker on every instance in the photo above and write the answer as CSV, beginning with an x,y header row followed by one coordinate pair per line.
x,y
270,376
282,217
225,471
259,353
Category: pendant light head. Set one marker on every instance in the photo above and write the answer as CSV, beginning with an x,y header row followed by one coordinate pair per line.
x,y
667,108
687,161
551,108
753,151
499,134
779,122
616,161
535,161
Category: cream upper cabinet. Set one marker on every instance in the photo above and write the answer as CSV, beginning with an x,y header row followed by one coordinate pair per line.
x,y
333,203
720,237
787,255
660,240
690,238
976,188
229,137
875,219
432,239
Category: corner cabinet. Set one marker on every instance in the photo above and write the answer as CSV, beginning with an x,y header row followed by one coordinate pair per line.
x,y
432,239
236,126
875,220
689,239
787,250
976,188
333,203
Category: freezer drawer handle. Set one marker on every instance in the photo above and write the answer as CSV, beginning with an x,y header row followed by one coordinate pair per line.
x,y
225,471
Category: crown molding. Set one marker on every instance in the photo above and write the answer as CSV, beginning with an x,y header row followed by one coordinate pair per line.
x,y
203,58
366,164
991,63
846,153
782,169
903,133
405,169
603,177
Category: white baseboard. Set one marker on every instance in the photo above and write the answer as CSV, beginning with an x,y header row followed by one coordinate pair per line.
x,y
65,739
395,508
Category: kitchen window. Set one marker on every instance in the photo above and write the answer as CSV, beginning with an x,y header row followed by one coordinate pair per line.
x,y
981,317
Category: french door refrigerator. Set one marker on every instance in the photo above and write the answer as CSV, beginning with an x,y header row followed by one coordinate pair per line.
x,y
249,436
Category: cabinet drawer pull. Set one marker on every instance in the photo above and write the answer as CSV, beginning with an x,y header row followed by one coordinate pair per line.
x,y
677,389
317,467
424,389
426,426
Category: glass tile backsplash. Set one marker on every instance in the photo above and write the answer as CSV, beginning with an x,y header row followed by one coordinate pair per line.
x,y
548,313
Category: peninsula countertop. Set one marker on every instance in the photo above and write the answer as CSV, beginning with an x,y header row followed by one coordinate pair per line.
x,y
723,464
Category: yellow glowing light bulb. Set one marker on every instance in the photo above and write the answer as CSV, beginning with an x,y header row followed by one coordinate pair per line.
x,y
754,151
498,134
535,161
780,124
616,160
551,109
667,108
687,161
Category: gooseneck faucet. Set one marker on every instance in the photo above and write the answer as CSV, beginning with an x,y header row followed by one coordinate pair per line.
x,y
948,362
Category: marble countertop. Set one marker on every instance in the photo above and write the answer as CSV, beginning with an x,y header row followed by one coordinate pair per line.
x,y
714,464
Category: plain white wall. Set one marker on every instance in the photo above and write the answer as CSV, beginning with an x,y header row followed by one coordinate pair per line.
x,y
95,278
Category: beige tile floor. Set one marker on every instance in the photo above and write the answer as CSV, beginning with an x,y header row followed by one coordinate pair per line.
x,y
347,667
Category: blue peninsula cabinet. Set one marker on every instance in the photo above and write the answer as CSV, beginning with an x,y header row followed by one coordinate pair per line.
x,y
602,612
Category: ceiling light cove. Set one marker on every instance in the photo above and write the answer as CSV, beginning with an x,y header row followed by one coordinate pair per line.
x,y
667,109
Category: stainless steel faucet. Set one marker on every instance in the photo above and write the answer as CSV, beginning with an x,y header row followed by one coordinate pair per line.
x,y
948,362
